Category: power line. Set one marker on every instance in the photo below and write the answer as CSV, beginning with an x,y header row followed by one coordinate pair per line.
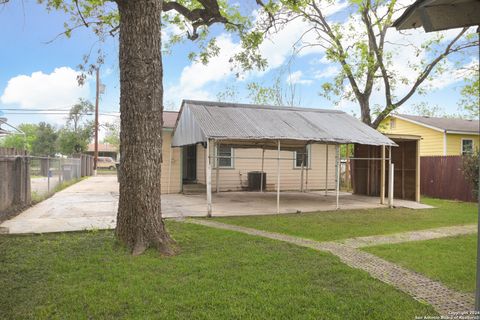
x,y
39,109
59,113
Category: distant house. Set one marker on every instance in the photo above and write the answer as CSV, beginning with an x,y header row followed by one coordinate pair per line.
x,y
439,136
104,150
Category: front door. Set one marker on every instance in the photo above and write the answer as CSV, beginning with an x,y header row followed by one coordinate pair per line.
x,y
190,164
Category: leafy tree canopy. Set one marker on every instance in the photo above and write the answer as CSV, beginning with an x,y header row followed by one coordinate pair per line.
x,y
357,36
21,141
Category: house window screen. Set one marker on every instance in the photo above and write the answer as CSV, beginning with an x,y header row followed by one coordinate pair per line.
x,y
226,153
467,146
302,155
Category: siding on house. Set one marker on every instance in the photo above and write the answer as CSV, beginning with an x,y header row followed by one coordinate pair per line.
x,y
171,177
232,179
454,143
432,140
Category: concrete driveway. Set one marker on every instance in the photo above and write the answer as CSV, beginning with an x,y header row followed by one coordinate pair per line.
x,y
92,204
89,204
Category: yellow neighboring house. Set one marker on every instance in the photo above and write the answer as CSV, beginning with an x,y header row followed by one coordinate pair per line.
x,y
439,136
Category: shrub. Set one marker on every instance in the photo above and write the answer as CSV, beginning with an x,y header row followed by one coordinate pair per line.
x,y
471,170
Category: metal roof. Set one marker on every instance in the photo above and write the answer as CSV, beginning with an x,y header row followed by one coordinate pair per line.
x,y
448,124
201,120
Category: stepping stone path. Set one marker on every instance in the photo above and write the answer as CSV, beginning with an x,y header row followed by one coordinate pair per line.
x,y
446,301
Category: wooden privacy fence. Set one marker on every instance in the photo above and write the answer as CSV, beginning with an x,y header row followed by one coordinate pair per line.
x,y
14,178
442,177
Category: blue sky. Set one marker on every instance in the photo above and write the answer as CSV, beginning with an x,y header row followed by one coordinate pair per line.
x,y
35,74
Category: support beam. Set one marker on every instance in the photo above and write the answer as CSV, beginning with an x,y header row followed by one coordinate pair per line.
x,y
347,167
309,154
278,178
391,184
326,169
209,180
263,162
382,177
217,168
337,188
301,173
417,176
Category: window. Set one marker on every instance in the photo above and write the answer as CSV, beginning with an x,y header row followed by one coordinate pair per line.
x,y
302,155
226,154
392,124
467,146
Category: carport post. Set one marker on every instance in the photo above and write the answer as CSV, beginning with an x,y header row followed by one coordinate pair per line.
x,y
326,170
278,178
337,155
209,181
308,162
261,176
390,185
382,177
301,174
390,177
217,163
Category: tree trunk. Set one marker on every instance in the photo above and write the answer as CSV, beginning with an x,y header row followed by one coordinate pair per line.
x,y
139,218
365,110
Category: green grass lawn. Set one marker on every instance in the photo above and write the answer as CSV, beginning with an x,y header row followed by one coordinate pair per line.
x,y
335,225
217,275
449,260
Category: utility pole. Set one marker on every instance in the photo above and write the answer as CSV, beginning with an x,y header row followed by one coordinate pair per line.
x,y
97,94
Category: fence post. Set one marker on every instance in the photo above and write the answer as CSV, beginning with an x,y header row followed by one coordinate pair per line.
x,y
48,174
28,186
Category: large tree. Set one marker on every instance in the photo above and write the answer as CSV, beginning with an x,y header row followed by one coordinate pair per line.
x,y
357,36
24,140
46,140
139,24
78,131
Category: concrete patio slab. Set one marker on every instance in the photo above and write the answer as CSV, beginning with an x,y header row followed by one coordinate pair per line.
x,y
89,204
92,204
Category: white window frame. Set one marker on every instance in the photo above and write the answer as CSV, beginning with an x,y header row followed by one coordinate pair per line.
x,y
309,158
461,146
232,164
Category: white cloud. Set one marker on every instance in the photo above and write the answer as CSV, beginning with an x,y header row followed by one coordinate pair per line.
x,y
276,49
58,89
328,72
452,75
296,78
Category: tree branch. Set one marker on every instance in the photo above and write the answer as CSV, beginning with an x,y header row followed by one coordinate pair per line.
x,y
422,77
206,16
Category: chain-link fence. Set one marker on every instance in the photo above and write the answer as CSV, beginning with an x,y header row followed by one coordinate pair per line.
x,y
24,178
47,173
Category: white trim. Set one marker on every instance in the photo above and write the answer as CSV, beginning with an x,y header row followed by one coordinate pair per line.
x,y
473,133
417,122
461,145
309,162
232,158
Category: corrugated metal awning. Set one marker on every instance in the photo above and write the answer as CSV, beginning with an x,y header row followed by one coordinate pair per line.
x,y
258,125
